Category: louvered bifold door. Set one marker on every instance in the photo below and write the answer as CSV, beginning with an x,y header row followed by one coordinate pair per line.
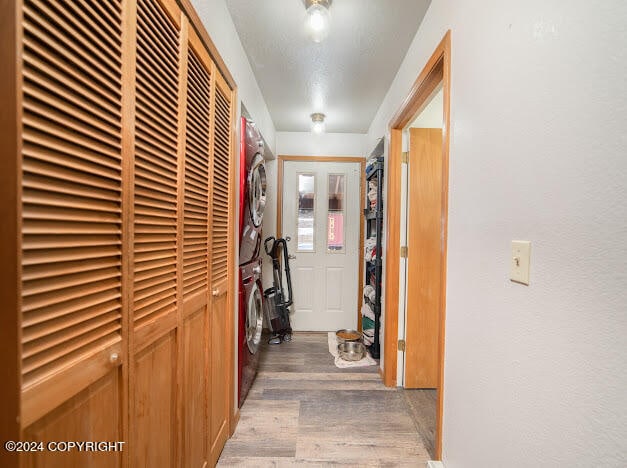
x,y
222,235
71,217
155,288
197,148
195,326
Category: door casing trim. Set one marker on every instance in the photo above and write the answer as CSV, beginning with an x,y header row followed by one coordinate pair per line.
x,y
437,70
362,181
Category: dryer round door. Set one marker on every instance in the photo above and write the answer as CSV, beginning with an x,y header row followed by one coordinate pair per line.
x,y
254,319
257,190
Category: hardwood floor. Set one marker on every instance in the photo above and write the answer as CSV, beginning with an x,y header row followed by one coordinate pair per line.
x,y
302,410
422,405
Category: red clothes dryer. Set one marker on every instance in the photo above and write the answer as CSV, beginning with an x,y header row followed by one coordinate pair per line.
x,y
250,325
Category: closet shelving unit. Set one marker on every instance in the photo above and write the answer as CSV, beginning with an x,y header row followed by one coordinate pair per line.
x,y
374,230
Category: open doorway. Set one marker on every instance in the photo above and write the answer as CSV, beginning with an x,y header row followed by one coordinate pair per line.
x,y
415,270
421,268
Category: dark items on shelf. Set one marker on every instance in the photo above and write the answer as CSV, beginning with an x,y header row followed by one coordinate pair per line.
x,y
371,309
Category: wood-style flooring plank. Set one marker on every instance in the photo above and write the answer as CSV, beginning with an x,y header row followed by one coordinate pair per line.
x,y
258,462
331,445
346,375
304,411
422,405
265,429
327,384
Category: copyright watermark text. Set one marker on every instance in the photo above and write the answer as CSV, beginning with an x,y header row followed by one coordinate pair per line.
x,y
63,446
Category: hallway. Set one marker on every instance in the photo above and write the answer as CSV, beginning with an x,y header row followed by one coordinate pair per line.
x,y
302,410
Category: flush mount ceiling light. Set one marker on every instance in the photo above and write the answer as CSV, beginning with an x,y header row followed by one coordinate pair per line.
x,y
317,123
318,19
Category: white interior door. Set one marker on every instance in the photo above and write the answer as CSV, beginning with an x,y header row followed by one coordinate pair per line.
x,y
321,216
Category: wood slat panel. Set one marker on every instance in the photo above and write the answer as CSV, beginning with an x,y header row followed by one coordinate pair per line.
x,y
62,31
220,187
152,108
156,136
71,179
196,206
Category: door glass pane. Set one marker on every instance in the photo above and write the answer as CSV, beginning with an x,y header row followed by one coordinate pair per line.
x,y
335,217
306,200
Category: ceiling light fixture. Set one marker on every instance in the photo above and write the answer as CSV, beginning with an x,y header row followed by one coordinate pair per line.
x,y
317,123
318,19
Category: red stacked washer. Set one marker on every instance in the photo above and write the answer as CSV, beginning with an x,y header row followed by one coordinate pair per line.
x,y
252,204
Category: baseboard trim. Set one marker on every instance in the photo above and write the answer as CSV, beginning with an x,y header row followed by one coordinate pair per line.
x,y
234,421
434,464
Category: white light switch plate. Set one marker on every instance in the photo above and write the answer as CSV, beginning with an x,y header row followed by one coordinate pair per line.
x,y
521,251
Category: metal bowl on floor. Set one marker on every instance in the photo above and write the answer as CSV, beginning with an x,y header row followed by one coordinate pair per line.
x,y
351,350
346,335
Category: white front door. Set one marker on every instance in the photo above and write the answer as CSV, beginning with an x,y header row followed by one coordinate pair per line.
x,y
321,217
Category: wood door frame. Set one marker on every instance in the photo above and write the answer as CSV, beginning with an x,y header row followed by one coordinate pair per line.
x,y
10,234
231,301
437,70
362,183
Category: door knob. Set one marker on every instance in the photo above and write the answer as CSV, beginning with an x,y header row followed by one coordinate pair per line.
x,y
215,292
288,238
291,257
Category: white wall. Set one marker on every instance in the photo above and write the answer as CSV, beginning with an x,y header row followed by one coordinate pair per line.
x,y
534,375
326,144
217,20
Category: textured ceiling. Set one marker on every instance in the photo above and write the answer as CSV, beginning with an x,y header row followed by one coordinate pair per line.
x,y
345,77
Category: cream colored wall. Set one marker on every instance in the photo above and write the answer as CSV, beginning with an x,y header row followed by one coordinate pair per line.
x,y
534,375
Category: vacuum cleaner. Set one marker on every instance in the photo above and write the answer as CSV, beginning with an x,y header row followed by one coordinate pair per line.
x,y
277,303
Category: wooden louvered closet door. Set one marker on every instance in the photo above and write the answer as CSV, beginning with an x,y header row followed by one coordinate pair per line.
x,y
127,287
196,325
222,176
71,315
156,282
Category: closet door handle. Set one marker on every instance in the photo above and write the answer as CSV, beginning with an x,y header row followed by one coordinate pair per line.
x,y
215,292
